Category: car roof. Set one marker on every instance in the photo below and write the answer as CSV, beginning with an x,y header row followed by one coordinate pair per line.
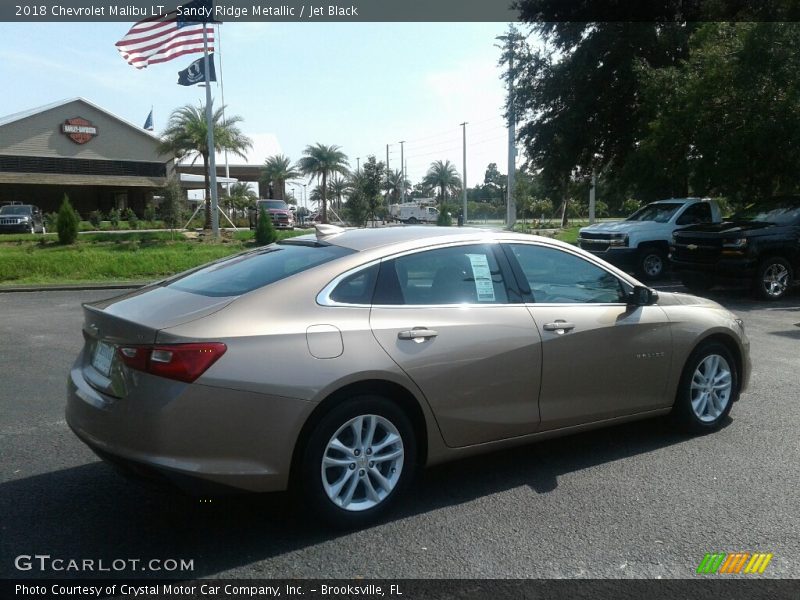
x,y
414,236
679,200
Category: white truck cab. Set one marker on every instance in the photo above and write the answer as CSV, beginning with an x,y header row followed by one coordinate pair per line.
x,y
641,242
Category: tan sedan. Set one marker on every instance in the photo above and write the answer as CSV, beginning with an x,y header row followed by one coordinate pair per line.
x,y
339,362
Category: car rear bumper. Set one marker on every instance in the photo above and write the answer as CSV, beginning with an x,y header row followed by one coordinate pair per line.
x,y
205,438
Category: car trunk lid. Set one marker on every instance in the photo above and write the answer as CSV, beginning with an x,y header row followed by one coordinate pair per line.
x,y
134,319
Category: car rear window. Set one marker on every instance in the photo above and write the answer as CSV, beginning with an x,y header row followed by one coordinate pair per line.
x,y
247,272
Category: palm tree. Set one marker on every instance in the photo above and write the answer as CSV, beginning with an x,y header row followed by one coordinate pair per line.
x,y
240,196
396,184
444,176
337,187
277,171
187,135
320,161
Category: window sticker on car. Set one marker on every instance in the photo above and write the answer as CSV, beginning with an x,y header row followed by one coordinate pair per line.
x,y
483,277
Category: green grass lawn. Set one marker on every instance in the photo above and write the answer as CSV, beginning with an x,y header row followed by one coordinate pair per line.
x,y
113,257
569,235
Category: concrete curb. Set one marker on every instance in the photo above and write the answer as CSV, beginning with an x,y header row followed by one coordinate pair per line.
x,y
72,287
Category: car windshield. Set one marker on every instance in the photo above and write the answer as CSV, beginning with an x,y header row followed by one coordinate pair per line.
x,y
273,204
15,209
778,212
250,271
660,212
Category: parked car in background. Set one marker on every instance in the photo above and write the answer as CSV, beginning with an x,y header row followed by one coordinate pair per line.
x,y
341,361
282,215
759,245
640,243
21,218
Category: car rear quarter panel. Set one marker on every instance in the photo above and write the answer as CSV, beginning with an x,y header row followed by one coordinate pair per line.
x,y
268,353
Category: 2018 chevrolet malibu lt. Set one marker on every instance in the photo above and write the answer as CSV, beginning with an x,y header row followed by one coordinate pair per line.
x,y
341,361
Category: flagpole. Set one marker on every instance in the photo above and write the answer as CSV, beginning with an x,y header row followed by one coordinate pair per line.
x,y
212,162
222,92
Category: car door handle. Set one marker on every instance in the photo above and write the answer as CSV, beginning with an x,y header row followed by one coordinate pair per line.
x,y
560,327
418,334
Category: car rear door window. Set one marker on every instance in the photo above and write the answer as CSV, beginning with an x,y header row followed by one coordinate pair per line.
x,y
453,275
557,276
246,272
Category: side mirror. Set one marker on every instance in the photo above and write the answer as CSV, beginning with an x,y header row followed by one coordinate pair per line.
x,y
642,296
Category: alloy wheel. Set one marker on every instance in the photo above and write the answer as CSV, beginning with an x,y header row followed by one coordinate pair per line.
x,y
362,463
775,280
712,383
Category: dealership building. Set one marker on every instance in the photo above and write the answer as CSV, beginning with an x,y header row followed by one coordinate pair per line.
x,y
74,147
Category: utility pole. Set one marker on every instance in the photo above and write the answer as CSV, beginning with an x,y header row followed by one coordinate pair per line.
x,y
402,174
511,41
511,216
464,182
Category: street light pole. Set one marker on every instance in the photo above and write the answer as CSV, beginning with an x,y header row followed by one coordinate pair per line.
x,y
464,182
402,174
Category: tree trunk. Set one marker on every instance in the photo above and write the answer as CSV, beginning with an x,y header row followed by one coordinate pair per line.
x,y
324,197
207,224
566,203
280,190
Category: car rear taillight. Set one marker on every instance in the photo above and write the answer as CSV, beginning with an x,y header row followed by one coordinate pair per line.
x,y
182,362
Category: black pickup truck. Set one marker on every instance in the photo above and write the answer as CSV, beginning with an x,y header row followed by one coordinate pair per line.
x,y
759,245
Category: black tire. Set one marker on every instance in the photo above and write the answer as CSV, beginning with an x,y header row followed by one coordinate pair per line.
x,y
773,278
696,283
651,263
311,486
412,221
683,412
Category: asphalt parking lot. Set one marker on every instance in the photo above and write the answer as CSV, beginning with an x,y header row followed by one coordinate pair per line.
x,y
634,501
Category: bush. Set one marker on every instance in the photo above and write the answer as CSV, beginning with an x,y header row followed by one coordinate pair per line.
x,y
150,212
50,220
95,217
630,206
132,219
67,223
173,204
445,218
265,232
113,217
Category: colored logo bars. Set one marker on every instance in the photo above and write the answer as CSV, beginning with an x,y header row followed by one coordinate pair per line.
x,y
734,563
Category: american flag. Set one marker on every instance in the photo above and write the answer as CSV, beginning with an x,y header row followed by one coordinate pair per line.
x,y
160,39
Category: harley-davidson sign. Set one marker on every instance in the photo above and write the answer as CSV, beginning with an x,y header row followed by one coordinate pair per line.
x,y
78,130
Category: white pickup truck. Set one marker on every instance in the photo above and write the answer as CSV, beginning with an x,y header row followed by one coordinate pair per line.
x,y
641,242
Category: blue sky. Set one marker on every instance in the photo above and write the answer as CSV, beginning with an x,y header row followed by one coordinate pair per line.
x,y
358,85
